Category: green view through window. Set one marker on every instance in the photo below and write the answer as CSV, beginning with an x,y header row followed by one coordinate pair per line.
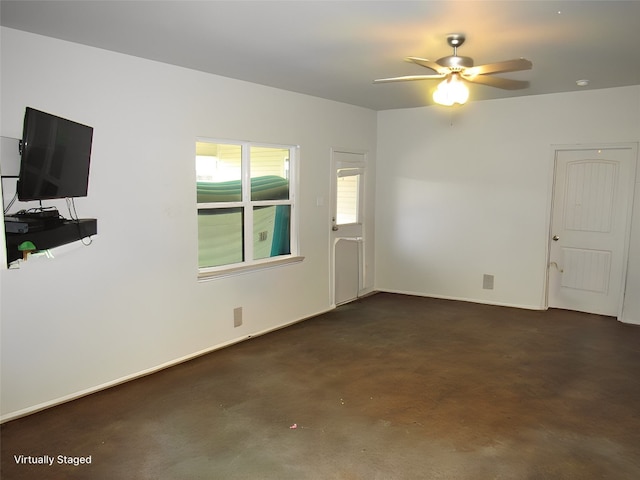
x,y
245,195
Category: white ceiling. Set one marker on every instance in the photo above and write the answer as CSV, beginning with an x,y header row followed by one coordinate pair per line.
x,y
335,49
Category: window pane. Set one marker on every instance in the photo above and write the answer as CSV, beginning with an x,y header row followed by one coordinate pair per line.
x,y
269,173
347,199
220,236
271,231
218,172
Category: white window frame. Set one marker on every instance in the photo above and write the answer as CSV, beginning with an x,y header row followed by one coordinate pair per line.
x,y
247,205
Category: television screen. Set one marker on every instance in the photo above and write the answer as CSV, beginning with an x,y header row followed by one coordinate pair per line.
x,y
55,157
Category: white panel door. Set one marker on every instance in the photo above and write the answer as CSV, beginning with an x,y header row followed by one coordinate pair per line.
x,y
593,192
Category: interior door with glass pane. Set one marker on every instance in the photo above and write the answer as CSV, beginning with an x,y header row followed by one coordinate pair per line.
x,y
347,225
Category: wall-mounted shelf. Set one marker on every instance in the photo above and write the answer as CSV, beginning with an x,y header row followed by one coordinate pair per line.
x,y
67,232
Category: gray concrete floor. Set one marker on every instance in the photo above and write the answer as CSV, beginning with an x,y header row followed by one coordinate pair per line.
x,y
388,387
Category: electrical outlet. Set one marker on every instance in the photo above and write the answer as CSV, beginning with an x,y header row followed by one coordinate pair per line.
x,y
487,282
237,317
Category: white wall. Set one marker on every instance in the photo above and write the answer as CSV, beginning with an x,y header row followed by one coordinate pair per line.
x,y
130,301
631,307
465,192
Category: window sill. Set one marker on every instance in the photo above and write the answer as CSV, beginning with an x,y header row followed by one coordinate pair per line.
x,y
220,272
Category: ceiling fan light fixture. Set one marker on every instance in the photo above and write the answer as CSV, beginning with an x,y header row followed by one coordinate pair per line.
x,y
457,69
450,91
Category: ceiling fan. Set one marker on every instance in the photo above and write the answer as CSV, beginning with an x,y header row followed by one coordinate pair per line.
x,y
454,69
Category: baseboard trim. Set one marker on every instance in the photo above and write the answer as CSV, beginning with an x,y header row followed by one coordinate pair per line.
x,y
143,373
462,299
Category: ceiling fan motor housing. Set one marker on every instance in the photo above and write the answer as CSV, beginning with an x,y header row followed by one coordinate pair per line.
x,y
455,63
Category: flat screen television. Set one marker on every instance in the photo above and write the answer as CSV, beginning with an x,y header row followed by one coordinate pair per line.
x,y
55,157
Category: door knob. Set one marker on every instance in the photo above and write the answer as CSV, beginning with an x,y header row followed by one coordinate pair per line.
x,y
556,238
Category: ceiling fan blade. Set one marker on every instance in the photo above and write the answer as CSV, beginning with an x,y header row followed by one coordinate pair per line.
x,y
409,77
500,67
423,62
504,83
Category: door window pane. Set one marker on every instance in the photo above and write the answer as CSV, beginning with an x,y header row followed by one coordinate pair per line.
x,y
348,196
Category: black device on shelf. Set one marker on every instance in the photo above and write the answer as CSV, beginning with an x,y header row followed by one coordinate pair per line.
x,y
66,232
32,220
16,224
55,157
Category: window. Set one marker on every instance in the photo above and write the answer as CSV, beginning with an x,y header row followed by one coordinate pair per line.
x,y
348,196
246,204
